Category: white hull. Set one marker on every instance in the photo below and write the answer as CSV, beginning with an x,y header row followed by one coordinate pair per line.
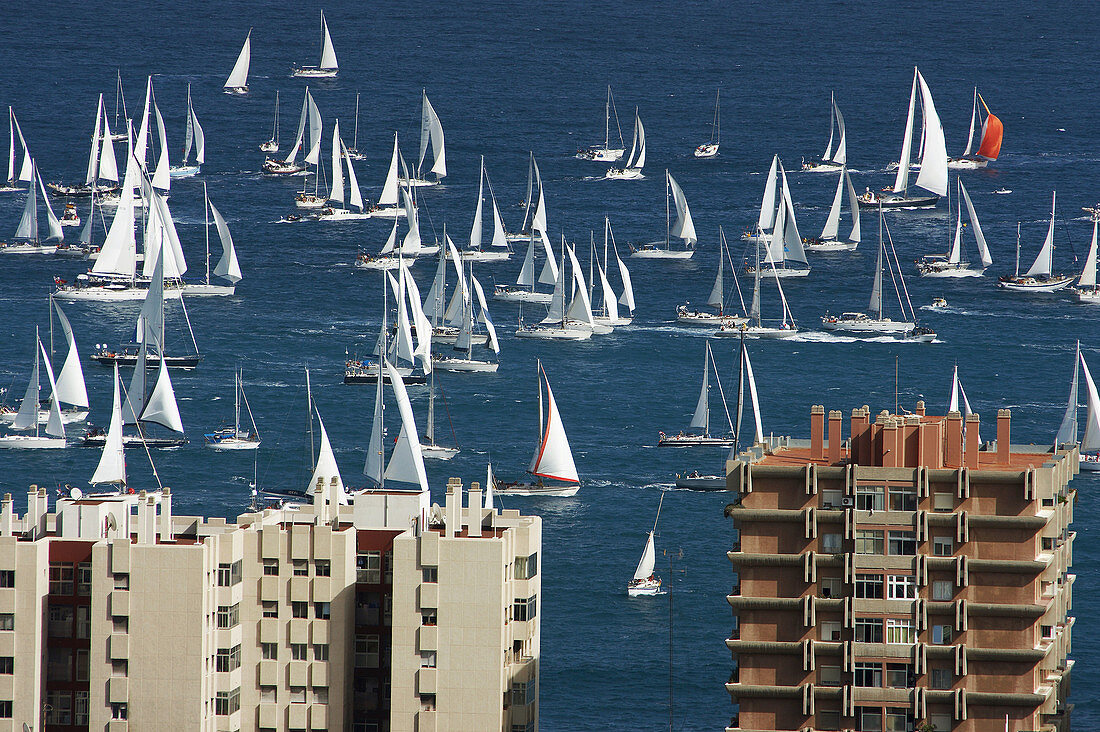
x,y
698,482
313,72
833,245
550,333
467,365
184,171
693,441
388,212
683,315
110,294
485,255
624,174
204,290
309,201
761,238
597,327
517,237
951,272
1089,296
30,442
417,182
71,222
661,254
1028,284
611,322
1090,463
269,147
820,167
771,274
536,489
449,336
438,452
966,163
866,326
706,150
645,588
28,248
756,331
239,91
279,167
342,214
378,263
515,295
601,155
233,444
68,416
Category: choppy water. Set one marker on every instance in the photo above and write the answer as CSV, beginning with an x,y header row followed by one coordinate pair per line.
x,y
506,79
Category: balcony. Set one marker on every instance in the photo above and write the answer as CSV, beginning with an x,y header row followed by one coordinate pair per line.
x,y
119,603
118,646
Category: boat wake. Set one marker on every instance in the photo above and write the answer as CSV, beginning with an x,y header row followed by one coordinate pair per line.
x,y
949,310
675,329
820,336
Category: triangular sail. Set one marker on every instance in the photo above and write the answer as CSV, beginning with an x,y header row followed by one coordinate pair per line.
x,y
391,240
500,239
955,255
162,176
406,463
315,130
27,416
759,435
580,308
832,223
792,240
93,156
901,180
326,470
1045,260
483,316
373,467
1088,274
388,197
526,276
717,296
1067,430
161,406
683,227
410,245
853,203
553,459
300,136
200,138
876,289
404,331
118,254
841,156
933,162
112,461
55,427
700,420
992,134
108,167
639,162
627,298
71,388
549,273
355,195
227,266
611,306
431,130
433,301
648,560
538,220
135,395
328,53
336,192
973,119
832,119
475,229
28,223
979,237
238,77
1090,441
767,203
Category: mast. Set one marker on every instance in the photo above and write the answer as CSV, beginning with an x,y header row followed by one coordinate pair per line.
x,y
275,124
668,215
355,138
309,411
607,120
237,404
206,228
740,395
430,432
1017,249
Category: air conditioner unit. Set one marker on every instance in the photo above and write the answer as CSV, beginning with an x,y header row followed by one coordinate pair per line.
x,y
847,502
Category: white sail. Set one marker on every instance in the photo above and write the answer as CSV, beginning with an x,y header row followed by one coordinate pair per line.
x,y
701,419
683,227
406,463
549,273
388,197
832,223
227,266
901,179
774,244
373,466
355,195
581,307
238,77
410,245
461,296
553,459
555,313
979,237
841,156
853,203
141,144
500,239
326,468
933,162
433,301
431,130
56,232
1088,274
755,400
1067,430
315,130
328,53
767,203
639,134
70,382
161,407
118,254
404,332
955,255
298,138
162,228
973,118
832,119
646,563
475,228
336,192
135,395
28,222
11,151
627,298
150,322
538,220
1044,262
420,320
1090,441
526,276
876,289
489,483
55,427
490,329
792,240
391,240
611,306
108,167
161,175
27,416
717,296
112,461
93,157
200,136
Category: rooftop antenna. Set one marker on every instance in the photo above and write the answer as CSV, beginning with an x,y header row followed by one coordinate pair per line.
x,y
896,358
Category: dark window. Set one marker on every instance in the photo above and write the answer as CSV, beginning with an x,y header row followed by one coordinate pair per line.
x,y
321,610
903,543
229,616
869,586
301,568
868,630
229,659
322,568
229,574
271,567
868,674
7,664
299,609
227,702
7,578
5,710
299,651
525,608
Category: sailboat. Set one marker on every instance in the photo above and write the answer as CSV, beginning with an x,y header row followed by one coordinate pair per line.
x,y
710,149
27,417
957,399
102,175
717,297
765,221
429,447
24,176
120,101
831,161
111,468
632,170
558,324
645,582
227,267
755,327
237,83
431,133
27,239
1086,289
353,151
534,213
235,438
464,343
316,199
393,253
69,386
933,162
406,463
272,145
290,165
193,136
605,153
1089,445
1038,278
553,469
448,320
830,240
341,160
499,251
989,148
877,324
328,67
609,314
684,228
524,289
785,255
698,432
388,200
952,264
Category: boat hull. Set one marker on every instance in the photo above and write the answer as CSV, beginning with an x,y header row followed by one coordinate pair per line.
x,y
438,452
1030,284
706,150
866,326
161,443
944,270
756,331
509,294
417,182
770,274
68,416
152,361
232,444
601,154
387,212
654,253
355,373
1088,296
465,365
107,293
898,202
485,255
342,214
702,482
184,171
554,334
205,290
560,490
829,245
31,442
966,163
624,174
279,167
314,72
709,319
644,588
693,441
269,147
820,167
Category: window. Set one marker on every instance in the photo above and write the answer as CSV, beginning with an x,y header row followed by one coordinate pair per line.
x,y
427,702
900,630
7,578
869,586
366,652
831,587
943,546
119,710
60,621
830,676
868,674
828,719
229,659
388,576
84,578
869,719
430,575
520,727
901,587
298,695
897,719
943,589
1047,631
869,497
82,664
270,608
119,667
301,568
868,630
7,665
526,567
299,609
320,651
898,675
868,541
227,702
427,659
267,694
80,707
320,695
525,609
61,578
120,624
941,634
831,543
83,621
941,678
943,502
368,568
7,621
269,651
229,574
903,543
831,499
523,693
903,498
299,651
58,707
5,710
271,567
59,664
321,610
428,616
322,568
122,581
830,631
229,616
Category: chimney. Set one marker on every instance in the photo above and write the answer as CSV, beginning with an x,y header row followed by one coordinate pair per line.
x,y
320,502
1004,436
7,517
817,432
166,515
333,498
473,513
888,439
836,419
454,506
142,524
920,408
952,454
971,445
31,520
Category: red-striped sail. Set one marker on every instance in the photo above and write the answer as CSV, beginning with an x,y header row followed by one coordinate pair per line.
x,y
992,134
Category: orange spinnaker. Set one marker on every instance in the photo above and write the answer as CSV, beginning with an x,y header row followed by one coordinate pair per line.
x,y
992,134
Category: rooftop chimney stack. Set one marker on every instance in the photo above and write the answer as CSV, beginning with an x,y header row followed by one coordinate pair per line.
x,y
142,524
817,432
1004,436
454,506
7,516
920,408
166,515
971,444
836,421
473,514
952,454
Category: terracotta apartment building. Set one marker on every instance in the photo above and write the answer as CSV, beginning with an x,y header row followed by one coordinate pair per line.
x,y
904,577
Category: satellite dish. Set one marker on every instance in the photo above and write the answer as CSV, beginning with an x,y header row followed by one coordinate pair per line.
x,y
76,494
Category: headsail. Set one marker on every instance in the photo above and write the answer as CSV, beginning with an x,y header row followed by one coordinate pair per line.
x,y
112,461
238,77
553,458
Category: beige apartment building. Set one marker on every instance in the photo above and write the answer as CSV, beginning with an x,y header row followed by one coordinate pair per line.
x,y
907,576
388,614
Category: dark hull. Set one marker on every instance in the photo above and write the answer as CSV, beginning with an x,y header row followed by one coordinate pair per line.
x,y
151,361
901,202
373,379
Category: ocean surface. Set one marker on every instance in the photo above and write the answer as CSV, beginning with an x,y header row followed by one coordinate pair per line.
x,y
510,78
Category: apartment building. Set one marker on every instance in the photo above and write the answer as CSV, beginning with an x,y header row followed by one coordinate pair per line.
x,y
904,577
116,614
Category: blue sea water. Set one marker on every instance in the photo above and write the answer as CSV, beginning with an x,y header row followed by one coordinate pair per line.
x,y
510,78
